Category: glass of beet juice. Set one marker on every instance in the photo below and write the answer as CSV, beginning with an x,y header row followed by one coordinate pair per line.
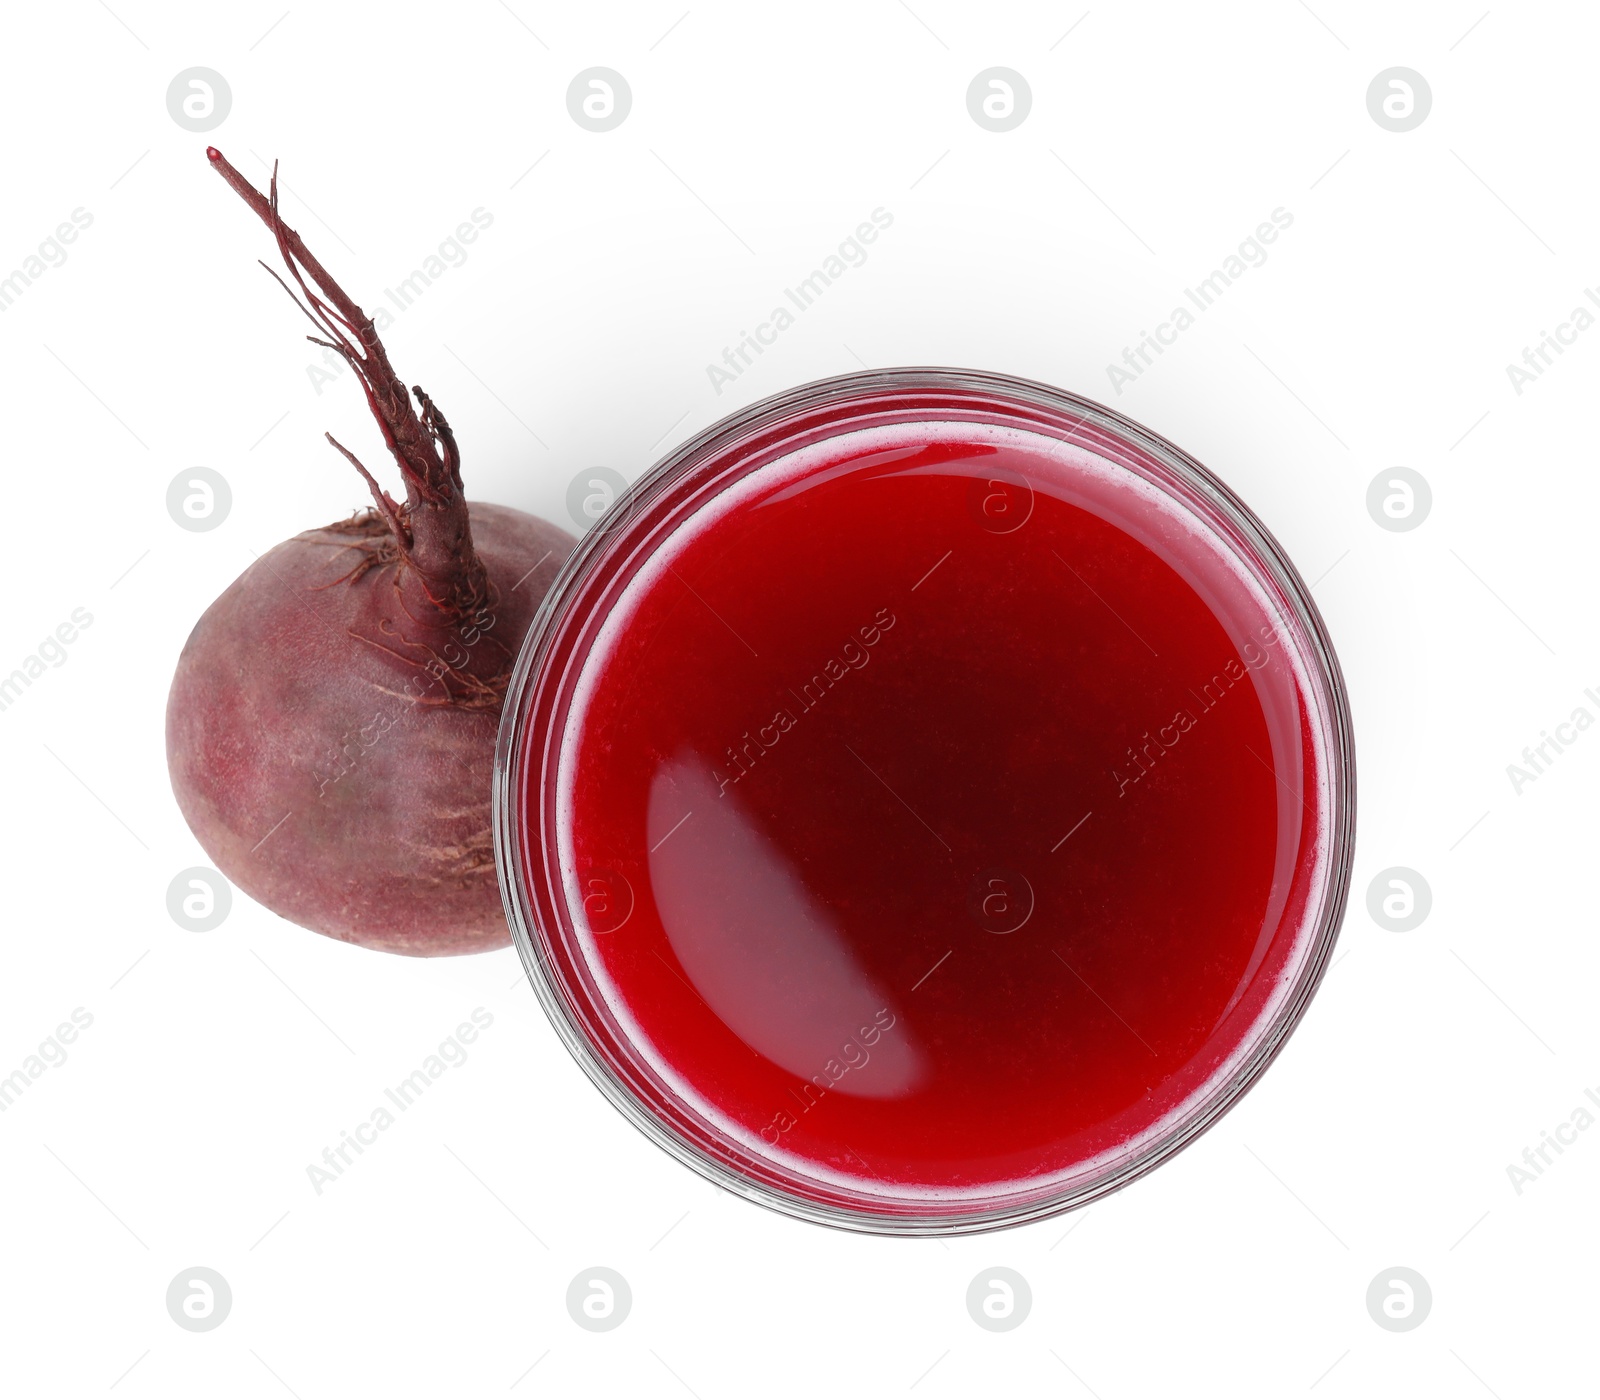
x,y
925,802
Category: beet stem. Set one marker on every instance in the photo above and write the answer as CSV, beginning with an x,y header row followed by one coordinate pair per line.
x,y
432,529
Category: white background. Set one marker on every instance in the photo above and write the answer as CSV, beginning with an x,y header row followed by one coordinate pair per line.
x,y
1377,334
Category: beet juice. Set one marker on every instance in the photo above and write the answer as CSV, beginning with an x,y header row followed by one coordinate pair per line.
x,y
929,802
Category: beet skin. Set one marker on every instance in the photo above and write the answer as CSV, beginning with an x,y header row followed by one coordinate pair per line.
x,y
328,776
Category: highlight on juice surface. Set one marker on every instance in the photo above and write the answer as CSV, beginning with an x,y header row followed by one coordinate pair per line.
x,y
926,801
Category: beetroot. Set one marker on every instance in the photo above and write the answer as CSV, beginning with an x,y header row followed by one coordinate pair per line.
x,y
331,725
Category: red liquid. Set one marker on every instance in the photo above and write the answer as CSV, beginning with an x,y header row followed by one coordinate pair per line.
x,y
937,820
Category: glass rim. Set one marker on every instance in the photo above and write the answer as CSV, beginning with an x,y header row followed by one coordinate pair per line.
x,y
1328,707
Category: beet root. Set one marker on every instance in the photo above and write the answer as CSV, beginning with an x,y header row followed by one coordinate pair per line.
x,y
332,722
337,784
